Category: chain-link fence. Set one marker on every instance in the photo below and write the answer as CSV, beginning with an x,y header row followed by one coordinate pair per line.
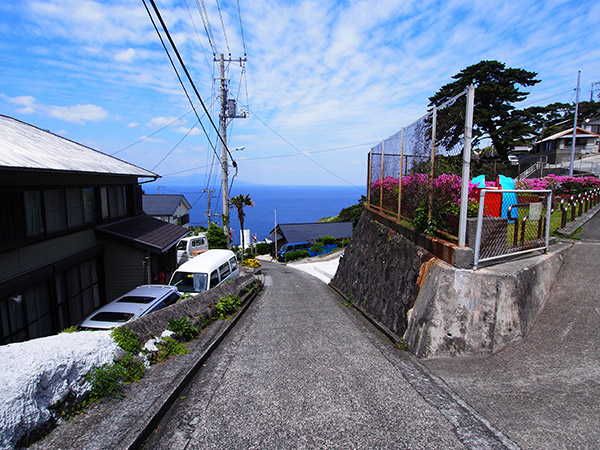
x,y
512,222
413,174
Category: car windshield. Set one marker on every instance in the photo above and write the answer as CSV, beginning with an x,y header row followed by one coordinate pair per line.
x,y
182,245
107,316
190,282
136,299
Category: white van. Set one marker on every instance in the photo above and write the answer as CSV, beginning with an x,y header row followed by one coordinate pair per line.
x,y
205,271
191,246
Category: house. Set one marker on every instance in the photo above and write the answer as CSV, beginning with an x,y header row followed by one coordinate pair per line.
x,y
592,125
169,208
558,146
72,231
301,232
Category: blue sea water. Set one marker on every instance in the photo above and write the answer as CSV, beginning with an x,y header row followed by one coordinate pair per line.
x,y
294,204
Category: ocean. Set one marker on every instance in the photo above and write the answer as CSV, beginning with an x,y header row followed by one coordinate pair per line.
x,y
294,204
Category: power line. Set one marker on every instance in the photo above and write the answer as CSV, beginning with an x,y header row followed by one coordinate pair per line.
x,y
206,23
241,28
152,134
303,153
198,36
174,147
157,12
223,25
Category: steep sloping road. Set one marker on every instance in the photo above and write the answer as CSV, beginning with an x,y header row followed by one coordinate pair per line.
x,y
301,370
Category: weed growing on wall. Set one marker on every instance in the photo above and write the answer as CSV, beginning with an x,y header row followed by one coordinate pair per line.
x,y
168,347
126,339
227,305
184,328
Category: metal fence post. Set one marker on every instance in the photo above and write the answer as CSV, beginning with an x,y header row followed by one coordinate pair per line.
x,y
381,178
401,174
479,226
466,168
432,160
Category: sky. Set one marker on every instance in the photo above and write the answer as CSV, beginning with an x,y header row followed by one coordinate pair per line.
x,y
323,81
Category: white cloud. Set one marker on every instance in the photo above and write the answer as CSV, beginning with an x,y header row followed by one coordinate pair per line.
x,y
184,130
132,125
77,113
126,55
152,140
161,121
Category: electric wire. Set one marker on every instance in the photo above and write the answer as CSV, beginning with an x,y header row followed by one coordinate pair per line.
x,y
206,23
198,35
175,68
223,25
303,153
153,133
241,27
174,147
157,12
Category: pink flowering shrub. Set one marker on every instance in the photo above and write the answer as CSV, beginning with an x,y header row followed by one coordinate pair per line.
x,y
560,184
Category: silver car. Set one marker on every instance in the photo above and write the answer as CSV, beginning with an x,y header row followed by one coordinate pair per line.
x,y
136,303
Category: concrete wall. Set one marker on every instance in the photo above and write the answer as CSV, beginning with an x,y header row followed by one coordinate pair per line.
x,y
438,309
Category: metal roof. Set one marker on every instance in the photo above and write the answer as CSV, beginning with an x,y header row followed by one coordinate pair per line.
x,y
300,232
26,147
146,232
163,204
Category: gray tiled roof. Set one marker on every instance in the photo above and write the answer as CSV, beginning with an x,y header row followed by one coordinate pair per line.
x,y
26,147
299,232
162,204
146,232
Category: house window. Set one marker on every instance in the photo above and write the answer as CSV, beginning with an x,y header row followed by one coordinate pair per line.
x,y
104,203
54,204
89,205
74,208
38,310
34,218
13,319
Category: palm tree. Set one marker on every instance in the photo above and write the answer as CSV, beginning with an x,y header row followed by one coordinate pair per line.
x,y
239,202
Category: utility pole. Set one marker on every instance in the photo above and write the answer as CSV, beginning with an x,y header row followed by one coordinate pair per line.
x,y
228,111
574,126
209,214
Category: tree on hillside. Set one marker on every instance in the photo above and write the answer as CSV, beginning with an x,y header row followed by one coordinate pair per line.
x,y
555,117
497,88
216,237
239,202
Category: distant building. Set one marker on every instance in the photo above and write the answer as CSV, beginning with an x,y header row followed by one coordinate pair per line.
x,y
286,233
592,125
558,146
169,208
72,231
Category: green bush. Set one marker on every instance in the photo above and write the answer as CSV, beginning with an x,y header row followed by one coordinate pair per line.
x,y
227,305
327,240
133,368
184,328
167,347
106,381
317,248
299,254
216,237
69,330
126,339
262,248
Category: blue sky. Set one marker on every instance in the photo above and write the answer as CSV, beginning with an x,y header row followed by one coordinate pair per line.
x,y
324,79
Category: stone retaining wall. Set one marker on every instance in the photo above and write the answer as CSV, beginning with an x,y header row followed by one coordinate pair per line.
x,y
438,309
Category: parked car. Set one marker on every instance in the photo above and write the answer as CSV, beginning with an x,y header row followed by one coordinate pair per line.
x,y
205,271
513,159
191,246
292,247
136,303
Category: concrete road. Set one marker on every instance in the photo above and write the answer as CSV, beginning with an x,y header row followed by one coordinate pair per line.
x,y
543,391
302,371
